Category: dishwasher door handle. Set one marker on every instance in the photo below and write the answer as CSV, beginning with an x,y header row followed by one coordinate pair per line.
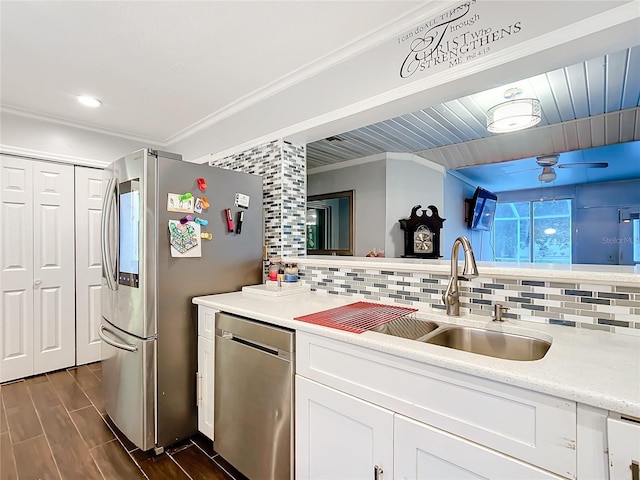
x,y
263,347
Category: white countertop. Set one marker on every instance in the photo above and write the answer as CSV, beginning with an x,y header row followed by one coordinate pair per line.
x,y
596,368
612,274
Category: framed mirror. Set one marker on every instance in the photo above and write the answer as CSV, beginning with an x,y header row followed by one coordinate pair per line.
x,y
329,224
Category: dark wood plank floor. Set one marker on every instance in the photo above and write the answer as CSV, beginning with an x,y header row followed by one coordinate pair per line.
x,y
54,426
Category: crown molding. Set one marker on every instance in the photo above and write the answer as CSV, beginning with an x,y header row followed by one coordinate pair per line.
x,y
623,14
305,72
350,50
348,163
303,132
461,177
49,156
82,126
405,157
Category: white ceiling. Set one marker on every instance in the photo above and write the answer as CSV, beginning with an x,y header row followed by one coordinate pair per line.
x,y
162,68
168,71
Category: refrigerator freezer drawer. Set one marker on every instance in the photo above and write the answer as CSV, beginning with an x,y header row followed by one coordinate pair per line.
x,y
128,380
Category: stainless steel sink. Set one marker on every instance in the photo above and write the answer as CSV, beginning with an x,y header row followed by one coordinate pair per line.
x,y
488,342
410,328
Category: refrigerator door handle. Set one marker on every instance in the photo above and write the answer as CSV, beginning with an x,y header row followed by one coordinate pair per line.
x,y
108,270
121,346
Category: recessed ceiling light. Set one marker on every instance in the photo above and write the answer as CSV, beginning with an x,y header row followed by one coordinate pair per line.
x,y
89,101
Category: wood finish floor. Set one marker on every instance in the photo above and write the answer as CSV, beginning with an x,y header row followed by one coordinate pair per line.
x,y
54,426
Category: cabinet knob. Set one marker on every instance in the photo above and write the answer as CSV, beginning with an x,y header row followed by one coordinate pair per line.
x,y
36,283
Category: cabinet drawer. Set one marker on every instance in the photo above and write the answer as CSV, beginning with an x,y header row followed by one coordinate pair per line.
x,y
624,448
206,322
537,428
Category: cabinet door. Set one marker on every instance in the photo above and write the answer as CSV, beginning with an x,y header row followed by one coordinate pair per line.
x,y
54,267
88,193
205,385
16,265
423,452
624,449
339,436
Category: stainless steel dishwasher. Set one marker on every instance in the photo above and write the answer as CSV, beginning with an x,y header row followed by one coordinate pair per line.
x,y
253,409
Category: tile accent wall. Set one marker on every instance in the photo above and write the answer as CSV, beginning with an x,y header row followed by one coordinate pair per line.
x,y
284,173
294,199
573,304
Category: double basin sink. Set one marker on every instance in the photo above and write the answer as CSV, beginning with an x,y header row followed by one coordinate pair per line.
x,y
481,341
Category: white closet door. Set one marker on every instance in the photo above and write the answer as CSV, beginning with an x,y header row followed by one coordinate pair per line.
x,y
16,265
88,263
54,270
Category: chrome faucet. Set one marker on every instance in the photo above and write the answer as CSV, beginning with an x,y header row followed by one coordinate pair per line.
x,y
451,296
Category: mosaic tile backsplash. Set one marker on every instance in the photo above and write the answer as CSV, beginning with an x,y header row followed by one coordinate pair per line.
x,y
598,307
283,169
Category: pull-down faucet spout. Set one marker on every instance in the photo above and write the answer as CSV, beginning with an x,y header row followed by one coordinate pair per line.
x,y
451,296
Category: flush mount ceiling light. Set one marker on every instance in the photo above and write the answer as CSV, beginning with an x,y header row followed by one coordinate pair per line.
x,y
88,101
514,114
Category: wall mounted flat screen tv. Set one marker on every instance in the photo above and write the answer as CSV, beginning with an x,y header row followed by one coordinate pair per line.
x,y
482,210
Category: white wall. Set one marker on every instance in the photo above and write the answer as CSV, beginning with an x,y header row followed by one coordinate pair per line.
x,y
54,141
386,188
411,181
367,180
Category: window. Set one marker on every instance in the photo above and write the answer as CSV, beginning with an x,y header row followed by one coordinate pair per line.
x,y
538,232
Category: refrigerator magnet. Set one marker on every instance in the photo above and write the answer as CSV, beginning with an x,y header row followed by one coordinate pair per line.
x,y
177,202
229,218
241,200
239,220
184,239
202,184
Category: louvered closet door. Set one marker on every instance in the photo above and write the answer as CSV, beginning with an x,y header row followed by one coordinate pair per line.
x,y
54,269
16,264
88,263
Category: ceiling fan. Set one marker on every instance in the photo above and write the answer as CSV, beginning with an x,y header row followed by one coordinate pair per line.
x,y
548,162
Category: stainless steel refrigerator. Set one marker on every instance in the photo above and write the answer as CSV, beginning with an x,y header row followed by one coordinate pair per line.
x,y
148,329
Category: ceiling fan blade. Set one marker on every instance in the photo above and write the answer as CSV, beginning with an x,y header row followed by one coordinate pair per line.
x,y
517,171
584,165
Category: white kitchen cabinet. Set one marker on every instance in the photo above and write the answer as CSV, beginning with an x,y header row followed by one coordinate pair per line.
x,y
37,288
205,374
426,453
624,448
339,436
490,421
88,196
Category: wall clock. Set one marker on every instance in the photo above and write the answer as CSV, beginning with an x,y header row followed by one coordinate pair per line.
x,y
422,233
